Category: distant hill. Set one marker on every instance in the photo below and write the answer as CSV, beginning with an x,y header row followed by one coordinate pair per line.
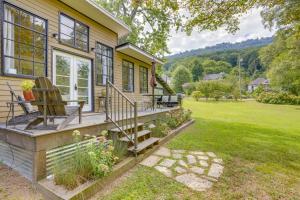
x,y
224,47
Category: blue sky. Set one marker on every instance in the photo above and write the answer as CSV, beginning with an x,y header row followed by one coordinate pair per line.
x,y
251,27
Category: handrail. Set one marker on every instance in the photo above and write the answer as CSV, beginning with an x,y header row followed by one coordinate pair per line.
x,y
122,112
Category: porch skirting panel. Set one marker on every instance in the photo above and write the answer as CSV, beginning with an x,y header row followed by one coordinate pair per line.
x,y
17,159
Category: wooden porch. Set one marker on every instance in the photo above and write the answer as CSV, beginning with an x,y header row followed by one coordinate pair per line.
x,y
26,150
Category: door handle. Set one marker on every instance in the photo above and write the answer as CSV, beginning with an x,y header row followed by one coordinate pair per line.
x,y
75,87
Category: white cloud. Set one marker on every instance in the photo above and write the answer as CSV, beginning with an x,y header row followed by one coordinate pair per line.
x,y
251,27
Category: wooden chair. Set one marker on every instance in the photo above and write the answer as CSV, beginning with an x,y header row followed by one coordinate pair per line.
x,y
50,103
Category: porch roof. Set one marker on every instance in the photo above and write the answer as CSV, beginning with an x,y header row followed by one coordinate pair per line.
x,y
136,52
100,15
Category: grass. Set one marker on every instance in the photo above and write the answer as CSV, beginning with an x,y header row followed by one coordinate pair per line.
x,y
260,146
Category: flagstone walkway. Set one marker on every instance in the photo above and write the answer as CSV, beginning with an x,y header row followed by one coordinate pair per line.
x,y
196,169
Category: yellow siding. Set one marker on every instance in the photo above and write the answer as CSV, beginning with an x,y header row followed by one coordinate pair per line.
x,y
49,10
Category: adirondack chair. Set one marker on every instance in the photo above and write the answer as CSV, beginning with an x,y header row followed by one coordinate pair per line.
x,y
50,103
29,112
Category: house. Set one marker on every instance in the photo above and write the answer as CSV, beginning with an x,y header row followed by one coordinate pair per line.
x,y
209,77
75,45
257,82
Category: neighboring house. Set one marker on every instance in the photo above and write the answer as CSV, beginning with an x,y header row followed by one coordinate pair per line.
x,y
257,82
75,45
210,77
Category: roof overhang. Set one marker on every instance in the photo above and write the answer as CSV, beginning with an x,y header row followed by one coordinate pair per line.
x,y
92,10
136,52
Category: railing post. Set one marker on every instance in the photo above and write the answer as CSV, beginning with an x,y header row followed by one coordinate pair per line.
x,y
106,100
135,129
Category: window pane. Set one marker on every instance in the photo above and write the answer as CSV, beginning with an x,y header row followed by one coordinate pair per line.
x,y
26,67
39,69
26,36
10,31
66,39
81,45
62,80
26,52
11,65
40,40
39,55
39,25
11,14
63,66
81,28
82,37
26,20
66,30
11,48
67,21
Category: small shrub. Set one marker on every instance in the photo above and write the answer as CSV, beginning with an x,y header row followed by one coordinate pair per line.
x,y
278,98
88,163
161,128
120,149
197,95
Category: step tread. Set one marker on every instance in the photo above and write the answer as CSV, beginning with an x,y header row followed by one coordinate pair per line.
x,y
124,127
143,145
139,134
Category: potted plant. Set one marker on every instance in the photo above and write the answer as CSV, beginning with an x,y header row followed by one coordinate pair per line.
x,y
27,90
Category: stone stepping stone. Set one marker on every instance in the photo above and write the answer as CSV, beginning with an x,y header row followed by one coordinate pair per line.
x,y
218,160
215,170
194,182
191,159
163,151
203,163
197,170
180,170
197,153
164,170
177,156
151,161
203,157
178,151
211,154
167,162
182,163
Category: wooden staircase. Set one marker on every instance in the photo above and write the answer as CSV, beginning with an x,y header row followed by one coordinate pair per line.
x,y
144,138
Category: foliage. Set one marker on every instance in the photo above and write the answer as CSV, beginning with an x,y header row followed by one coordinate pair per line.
x,y
197,95
150,21
88,163
27,85
188,88
260,89
120,149
278,98
214,67
283,60
196,70
161,128
180,76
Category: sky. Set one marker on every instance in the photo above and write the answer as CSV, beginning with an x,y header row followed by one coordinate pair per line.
x,y
251,27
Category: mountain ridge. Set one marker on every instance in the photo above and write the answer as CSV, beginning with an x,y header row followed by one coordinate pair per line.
x,y
223,47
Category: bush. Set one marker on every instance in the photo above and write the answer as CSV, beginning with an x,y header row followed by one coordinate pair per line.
x,y
189,88
196,95
278,98
88,163
161,128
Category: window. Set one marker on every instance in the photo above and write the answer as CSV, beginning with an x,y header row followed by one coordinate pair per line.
x,y
143,79
24,43
104,64
128,76
73,33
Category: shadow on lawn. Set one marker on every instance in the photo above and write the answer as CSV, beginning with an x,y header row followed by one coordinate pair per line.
x,y
280,150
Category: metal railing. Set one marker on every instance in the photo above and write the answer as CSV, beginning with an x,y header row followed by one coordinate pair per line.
x,y
122,112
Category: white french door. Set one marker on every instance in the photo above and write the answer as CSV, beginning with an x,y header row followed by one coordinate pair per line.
x,y
72,75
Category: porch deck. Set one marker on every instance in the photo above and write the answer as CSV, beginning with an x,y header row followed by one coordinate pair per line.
x,y
88,120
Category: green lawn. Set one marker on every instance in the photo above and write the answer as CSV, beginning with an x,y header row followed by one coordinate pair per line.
x,y
259,143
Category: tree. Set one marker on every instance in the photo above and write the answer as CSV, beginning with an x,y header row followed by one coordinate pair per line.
x,y
212,66
180,76
150,21
197,70
282,58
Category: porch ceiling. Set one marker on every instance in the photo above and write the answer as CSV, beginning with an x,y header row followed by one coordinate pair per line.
x,y
100,15
136,52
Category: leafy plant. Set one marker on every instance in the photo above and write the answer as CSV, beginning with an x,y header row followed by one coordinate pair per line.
x,y
278,98
161,128
87,163
196,95
27,85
